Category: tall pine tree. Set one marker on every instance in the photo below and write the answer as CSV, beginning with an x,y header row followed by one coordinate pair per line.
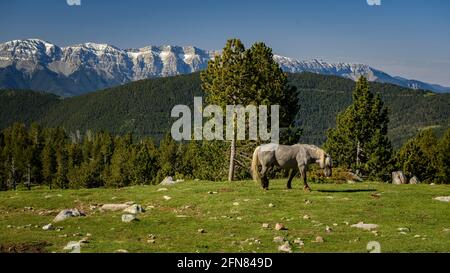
x,y
359,141
248,77
443,158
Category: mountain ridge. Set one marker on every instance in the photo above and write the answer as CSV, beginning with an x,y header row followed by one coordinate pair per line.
x,y
83,68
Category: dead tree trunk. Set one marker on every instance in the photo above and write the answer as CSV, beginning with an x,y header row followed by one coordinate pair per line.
x,y
233,151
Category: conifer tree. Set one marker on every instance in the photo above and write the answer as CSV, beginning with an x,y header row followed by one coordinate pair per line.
x,y
247,77
167,159
359,140
120,168
419,157
443,158
144,163
62,168
48,164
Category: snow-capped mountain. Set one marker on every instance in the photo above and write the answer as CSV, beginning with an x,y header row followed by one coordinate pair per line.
x,y
77,69
73,70
353,71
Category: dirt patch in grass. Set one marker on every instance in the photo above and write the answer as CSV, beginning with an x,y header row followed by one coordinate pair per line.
x,y
34,247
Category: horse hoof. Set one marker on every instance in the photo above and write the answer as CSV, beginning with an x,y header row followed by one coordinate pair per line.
x,y
307,189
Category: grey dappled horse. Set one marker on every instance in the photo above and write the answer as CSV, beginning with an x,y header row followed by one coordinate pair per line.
x,y
295,158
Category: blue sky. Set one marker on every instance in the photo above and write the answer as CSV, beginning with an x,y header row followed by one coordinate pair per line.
x,y
409,38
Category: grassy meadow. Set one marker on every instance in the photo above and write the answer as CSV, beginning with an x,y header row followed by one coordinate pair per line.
x,y
231,216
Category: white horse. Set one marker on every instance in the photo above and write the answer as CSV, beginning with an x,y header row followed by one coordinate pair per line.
x,y
295,158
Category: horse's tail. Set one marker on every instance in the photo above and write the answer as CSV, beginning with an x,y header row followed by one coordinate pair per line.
x,y
255,165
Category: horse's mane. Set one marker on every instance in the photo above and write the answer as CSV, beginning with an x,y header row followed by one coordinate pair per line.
x,y
317,152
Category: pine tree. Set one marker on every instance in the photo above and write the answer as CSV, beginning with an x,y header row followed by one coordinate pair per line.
x,y
3,185
167,159
74,155
62,168
144,163
35,150
121,166
16,154
359,140
419,157
48,164
443,158
247,77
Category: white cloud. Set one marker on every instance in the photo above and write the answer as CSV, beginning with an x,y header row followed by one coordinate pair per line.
x,y
73,2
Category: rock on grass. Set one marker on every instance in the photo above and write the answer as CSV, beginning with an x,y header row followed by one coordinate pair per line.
x,y
114,207
278,239
127,218
48,227
134,209
68,213
319,239
443,198
286,247
73,247
279,226
361,225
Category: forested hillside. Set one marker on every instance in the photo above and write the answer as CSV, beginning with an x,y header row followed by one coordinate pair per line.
x,y
143,107
323,97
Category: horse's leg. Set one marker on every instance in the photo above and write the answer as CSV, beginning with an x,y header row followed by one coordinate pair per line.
x,y
303,171
292,174
264,179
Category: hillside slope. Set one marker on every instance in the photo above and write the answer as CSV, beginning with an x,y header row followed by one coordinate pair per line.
x,y
143,107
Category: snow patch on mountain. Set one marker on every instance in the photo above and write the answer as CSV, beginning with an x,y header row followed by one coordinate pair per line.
x,y
95,66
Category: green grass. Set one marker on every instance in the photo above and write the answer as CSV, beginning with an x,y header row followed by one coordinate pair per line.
x,y
228,226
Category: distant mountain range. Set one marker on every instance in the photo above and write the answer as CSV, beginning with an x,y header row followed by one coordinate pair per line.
x,y
73,70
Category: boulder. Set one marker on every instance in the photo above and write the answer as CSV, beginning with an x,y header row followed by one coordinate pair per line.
x,y
443,198
127,218
48,227
279,226
399,178
286,247
299,242
134,209
168,181
68,213
278,239
414,180
114,207
361,225
73,247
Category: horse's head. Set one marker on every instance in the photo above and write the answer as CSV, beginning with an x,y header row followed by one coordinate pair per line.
x,y
326,163
328,166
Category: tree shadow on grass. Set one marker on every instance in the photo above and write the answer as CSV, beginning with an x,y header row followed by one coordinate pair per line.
x,y
346,191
